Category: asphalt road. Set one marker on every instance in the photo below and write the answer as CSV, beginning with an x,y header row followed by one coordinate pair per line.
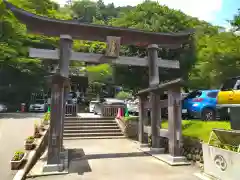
x,y
14,129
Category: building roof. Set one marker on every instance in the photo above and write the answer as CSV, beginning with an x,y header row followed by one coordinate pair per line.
x,y
84,31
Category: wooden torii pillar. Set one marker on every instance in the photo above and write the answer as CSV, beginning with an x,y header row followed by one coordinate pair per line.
x,y
154,98
59,87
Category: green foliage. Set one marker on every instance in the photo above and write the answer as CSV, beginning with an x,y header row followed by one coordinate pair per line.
x,y
19,74
46,117
235,22
123,95
217,143
151,16
218,59
101,73
131,118
210,59
91,11
30,139
18,155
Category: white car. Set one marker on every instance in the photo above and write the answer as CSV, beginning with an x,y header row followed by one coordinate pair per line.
x,y
40,105
133,107
3,108
72,98
92,105
107,101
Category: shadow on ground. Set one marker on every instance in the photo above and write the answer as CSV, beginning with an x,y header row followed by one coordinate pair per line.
x,y
78,160
77,164
20,115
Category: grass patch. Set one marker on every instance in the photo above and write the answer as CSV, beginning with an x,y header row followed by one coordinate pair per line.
x,y
200,129
194,128
131,118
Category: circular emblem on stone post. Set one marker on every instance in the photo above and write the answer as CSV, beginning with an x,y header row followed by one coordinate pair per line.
x,y
220,162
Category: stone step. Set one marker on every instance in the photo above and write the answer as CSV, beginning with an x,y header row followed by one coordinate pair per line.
x,y
90,121
66,127
78,124
80,131
91,134
91,118
95,137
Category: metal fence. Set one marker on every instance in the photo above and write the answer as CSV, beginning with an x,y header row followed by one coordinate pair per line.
x,y
111,110
71,110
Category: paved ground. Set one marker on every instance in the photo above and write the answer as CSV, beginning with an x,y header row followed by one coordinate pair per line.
x,y
14,128
117,159
88,115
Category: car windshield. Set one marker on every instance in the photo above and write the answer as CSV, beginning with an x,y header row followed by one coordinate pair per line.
x,y
72,95
39,102
228,85
194,94
212,94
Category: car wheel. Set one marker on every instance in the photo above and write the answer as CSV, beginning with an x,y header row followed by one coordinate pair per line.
x,y
208,114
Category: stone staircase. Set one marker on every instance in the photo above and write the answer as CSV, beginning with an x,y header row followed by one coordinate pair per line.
x,y
91,128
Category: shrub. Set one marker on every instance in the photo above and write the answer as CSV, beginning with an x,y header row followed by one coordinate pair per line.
x,y
123,95
46,117
131,118
18,155
30,140
37,131
216,142
36,128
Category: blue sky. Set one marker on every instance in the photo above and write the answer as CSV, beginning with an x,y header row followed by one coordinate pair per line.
x,y
213,11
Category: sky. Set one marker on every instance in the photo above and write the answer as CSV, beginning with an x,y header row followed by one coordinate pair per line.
x,y
216,12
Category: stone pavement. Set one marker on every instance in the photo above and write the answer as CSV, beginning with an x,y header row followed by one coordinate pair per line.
x,y
88,115
117,159
14,129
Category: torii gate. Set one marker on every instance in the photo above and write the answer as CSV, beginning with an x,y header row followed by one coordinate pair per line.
x,y
114,37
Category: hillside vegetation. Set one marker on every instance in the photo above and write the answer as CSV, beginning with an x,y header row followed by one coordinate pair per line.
x,y
210,59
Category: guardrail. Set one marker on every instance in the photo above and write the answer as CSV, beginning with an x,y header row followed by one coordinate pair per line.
x,y
111,110
71,110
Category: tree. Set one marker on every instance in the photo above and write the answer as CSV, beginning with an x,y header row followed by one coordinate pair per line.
x,y
151,16
236,20
84,10
206,61
21,75
123,95
101,73
218,59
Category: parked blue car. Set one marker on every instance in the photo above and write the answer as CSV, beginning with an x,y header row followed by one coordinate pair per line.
x,y
201,104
